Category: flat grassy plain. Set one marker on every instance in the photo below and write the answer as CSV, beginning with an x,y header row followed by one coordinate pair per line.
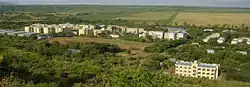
x,y
150,15
121,43
205,18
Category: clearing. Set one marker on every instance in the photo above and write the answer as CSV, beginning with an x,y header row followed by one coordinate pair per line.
x,y
121,43
136,48
205,18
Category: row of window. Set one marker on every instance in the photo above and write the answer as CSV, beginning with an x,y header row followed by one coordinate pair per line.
x,y
206,69
194,71
205,77
198,76
205,73
198,68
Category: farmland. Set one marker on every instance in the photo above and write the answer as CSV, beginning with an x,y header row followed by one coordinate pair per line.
x,y
205,18
150,15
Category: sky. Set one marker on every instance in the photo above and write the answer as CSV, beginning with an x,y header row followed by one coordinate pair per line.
x,y
218,3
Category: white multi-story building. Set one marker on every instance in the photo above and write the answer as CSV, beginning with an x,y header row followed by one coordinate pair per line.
x,y
175,33
156,34
196,69
170,35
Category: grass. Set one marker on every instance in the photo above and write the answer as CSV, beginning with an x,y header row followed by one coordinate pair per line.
x,y
121,43
205,18
150,15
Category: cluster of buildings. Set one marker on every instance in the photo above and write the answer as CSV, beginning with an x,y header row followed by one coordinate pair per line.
x,y
196,69
222,39
46,29
212,51
16,33
171,34
240,40
116,31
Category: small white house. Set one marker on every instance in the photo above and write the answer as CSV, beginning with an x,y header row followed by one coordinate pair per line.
x,y
248,42
206,39
208,30
215,35
221,40
114,36
210,51
242,52
195,43
234,41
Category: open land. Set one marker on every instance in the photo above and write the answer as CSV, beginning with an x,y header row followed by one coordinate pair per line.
x,y
150,15
121,43
205,18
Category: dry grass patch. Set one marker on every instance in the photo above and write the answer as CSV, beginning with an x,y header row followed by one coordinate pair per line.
x,y
205,18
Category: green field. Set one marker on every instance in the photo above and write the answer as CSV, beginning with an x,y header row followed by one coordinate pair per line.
x,y
150,15
121,43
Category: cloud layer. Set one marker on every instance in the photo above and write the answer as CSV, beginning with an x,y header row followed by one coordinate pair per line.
x,y
228,3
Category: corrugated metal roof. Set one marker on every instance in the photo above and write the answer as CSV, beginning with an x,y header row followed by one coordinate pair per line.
x,y
204,65
183,63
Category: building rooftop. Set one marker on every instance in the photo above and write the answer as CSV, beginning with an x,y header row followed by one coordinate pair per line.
x,y
176,30
203,65
183,63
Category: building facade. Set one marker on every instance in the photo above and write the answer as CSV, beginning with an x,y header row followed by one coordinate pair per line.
x,y
197,70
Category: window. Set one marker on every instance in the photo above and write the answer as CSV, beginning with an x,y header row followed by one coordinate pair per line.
x,y
176,66
185,75
212,77
203,69
194,66
208,69
199,68
212,70
184,70
189,71
176,70
208,74
180,66
203,73
212,74
194,70
199,72
185,67
189,68
199,76
180,70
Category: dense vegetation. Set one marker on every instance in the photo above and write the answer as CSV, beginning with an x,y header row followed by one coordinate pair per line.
x,y
27,62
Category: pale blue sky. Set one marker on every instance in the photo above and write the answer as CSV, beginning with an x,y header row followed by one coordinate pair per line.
x,y
231,3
